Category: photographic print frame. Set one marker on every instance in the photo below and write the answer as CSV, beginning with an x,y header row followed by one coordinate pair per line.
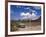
x,y
26,4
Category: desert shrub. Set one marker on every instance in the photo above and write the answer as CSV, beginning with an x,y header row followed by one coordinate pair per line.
x,y
14,27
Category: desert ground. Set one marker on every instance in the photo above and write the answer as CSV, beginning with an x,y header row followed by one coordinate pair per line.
x,y
27,26
31,26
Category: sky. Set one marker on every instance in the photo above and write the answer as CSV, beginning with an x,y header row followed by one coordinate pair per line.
x,y
24,12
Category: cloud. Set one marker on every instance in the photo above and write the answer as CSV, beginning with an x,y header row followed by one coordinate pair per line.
x,y
27,15
27,8
36,17
34,11
37,7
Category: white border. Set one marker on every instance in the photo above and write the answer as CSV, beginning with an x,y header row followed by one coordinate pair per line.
x,y
24,32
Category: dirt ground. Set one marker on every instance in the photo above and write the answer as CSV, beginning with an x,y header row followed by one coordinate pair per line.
x,y
31,26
